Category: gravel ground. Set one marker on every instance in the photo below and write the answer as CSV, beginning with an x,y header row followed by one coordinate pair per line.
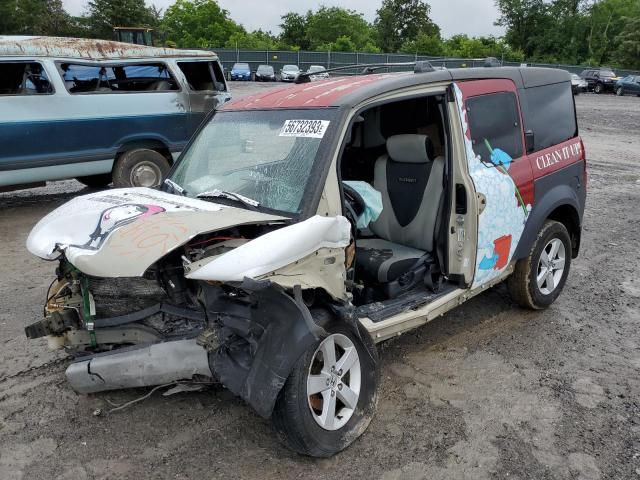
x,y
488,391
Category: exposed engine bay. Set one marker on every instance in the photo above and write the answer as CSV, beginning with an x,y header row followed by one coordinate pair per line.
x,y
197,312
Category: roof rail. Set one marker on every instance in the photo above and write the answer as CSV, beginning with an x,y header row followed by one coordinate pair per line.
x,y
368,68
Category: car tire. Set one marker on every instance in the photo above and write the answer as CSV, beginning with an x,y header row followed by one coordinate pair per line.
x,y
302,421
141,167
96,181
619,91
598,88
539,278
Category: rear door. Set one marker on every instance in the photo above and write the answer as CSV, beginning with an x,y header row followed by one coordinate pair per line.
x,y
502,176
206,87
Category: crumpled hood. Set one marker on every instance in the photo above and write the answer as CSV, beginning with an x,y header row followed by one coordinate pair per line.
x,y
122,232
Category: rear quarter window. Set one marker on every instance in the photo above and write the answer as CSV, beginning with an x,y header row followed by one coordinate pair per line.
x,y
550,114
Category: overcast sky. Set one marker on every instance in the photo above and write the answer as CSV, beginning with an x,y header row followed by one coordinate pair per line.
x,y
473,17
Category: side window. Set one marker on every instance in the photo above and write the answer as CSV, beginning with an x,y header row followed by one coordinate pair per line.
x,y
23,78
143,77
495,124
550,114
82,78
125,78
203,75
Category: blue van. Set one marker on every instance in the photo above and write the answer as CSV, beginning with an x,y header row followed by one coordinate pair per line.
x,y
99,111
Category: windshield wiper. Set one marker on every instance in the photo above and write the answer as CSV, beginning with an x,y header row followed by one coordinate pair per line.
x,y
175,187
249,202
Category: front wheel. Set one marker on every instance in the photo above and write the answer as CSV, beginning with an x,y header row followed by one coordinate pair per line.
x,y
538,279
619,91
141,167
330,395
598,88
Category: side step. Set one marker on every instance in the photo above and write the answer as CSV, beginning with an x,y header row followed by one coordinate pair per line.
x,y
379,311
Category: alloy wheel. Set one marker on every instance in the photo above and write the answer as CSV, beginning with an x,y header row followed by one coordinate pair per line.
x,y
333,382
551,266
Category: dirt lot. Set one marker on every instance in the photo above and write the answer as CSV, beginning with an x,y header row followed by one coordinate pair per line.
x,y
489,391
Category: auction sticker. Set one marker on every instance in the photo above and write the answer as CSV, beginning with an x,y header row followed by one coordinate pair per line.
x,y
304,128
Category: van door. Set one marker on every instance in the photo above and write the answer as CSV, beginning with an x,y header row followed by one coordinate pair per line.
x,y
494,146
206,87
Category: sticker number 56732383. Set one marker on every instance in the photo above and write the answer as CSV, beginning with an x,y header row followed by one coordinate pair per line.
x,y
304,128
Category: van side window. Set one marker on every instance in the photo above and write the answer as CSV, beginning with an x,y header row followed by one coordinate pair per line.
x,y
203,75
550,114
79,78
23,78
494,122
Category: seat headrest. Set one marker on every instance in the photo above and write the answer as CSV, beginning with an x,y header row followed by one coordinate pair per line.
x,y
410,148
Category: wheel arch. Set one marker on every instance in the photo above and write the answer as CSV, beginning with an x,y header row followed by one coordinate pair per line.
x,y
560,203
152,143
568,216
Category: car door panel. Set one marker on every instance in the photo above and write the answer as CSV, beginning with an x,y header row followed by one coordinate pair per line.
x,y
504,184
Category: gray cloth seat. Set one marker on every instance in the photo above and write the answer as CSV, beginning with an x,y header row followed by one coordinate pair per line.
x,y
410,181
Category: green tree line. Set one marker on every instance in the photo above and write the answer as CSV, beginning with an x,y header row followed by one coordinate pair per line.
x,y
554,31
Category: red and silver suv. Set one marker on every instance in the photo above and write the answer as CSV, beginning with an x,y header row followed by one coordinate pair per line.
x,y
304,225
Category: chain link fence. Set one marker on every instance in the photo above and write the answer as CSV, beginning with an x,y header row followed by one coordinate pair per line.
x,y
304,59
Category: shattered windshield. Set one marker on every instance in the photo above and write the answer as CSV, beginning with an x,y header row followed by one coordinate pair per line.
x,y
266,155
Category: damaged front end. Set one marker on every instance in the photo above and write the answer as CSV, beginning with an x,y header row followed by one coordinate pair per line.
x,y
227,294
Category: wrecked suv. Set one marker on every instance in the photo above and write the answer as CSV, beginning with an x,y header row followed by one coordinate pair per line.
x,y
304,225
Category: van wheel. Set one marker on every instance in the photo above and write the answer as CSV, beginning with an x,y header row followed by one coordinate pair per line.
x,y
597,88
538,279
141,167
96,181
330,395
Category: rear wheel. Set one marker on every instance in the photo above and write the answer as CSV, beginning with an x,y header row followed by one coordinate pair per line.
x,y
141,167
96,181
598,88
538,279
330,396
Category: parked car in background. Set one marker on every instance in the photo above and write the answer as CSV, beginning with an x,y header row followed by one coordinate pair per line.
x,y
317,72
265,73
628,85
578,84
600,79
240,71
289,73
99,111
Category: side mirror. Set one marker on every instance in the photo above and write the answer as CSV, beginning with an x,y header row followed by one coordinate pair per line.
x,y
529,141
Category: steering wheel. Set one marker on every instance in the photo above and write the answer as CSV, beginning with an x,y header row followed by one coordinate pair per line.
x,y
354,203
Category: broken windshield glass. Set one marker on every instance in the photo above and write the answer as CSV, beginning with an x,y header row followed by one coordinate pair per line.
x,y
265,155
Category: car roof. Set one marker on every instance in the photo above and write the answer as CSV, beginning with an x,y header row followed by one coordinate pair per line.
x,y
86,48
352,90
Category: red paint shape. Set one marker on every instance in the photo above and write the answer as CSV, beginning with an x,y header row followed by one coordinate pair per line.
x,y
502,247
